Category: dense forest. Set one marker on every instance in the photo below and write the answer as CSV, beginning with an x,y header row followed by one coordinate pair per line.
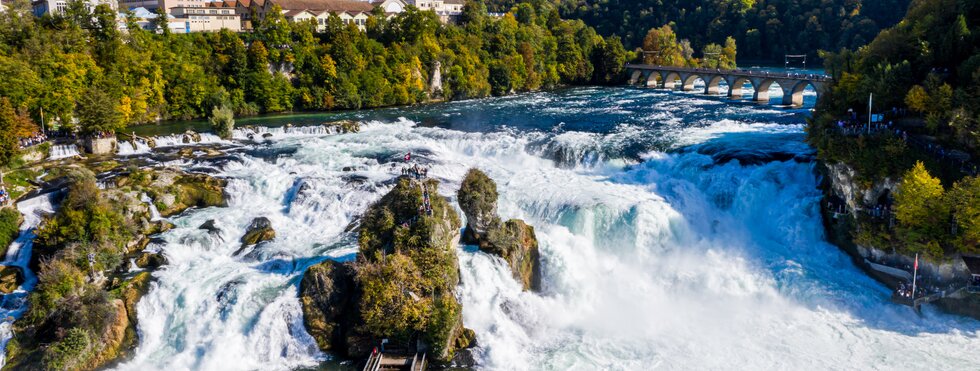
x,y
929,66
766,30
80,70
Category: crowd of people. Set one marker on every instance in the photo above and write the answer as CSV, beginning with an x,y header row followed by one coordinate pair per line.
x,y
852,126
4,196
33,140
905,291
416,172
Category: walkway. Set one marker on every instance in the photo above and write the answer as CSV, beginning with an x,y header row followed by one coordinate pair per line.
x,y
792,84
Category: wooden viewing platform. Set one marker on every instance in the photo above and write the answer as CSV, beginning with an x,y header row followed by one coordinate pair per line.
x,y
379,361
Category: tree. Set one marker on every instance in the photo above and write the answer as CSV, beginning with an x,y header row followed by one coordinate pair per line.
x,y
917,99
222,121
96,112
160,22
964,198
660,47
921,213
8,140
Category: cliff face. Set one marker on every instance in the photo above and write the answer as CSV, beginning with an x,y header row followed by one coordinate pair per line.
x,y
840,184
402,285
513,240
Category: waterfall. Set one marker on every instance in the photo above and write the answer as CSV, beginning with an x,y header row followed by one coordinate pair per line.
x,y
672,258
13,306
154,213
136,147
61,151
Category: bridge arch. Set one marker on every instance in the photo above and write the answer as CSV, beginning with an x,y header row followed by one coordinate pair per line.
x,y
670,80
687,81
651,80
793,96
736,85
635,77
761,94
712,86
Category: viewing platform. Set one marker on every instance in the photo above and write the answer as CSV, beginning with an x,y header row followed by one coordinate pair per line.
x,y
793,84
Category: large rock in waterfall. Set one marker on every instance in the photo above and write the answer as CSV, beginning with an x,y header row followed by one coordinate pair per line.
x,y
513,240
259,230
400,288
327,295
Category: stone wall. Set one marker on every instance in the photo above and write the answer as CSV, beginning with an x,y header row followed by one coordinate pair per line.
x,y
100,146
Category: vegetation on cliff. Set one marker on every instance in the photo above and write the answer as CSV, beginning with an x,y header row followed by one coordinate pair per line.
x,y
404,277
513,240
82,311
10,221
928,64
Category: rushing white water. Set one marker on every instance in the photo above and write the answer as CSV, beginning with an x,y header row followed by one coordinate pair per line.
x,y
13,305
63,151
177,140
136,147
685,259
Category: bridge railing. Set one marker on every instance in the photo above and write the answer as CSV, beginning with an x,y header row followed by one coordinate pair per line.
x,y
738,72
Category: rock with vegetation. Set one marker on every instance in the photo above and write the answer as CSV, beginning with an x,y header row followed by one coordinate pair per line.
x,y
78,318
258,231
10,221
222,121
403,280
11,277
174,191
327,295
513,240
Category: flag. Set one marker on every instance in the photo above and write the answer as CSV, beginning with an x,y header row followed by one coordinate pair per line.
x,y
916,267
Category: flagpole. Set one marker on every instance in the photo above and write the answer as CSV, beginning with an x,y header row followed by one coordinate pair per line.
x,y
915,272
870,97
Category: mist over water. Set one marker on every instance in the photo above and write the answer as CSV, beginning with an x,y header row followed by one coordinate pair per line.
x,y
676,231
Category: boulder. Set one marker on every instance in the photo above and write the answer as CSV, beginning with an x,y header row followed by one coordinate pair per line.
x,y
517,244
478,198
11,277
326,293
210,227
260,230
514,240
150,260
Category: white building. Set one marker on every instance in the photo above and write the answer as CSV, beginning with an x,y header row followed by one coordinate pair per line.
x,y
350,12
214,18
447,10
42,7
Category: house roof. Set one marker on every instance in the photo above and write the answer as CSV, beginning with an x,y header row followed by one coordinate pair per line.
x,y
972,263
328,5
456,2
295,12
221,4
245,3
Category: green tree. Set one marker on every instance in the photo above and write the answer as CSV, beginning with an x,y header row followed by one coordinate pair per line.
x,y
964,198
222,121
660,47
96,112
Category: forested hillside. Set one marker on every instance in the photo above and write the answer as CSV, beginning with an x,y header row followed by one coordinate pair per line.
x,y
81,70
924,74
763,29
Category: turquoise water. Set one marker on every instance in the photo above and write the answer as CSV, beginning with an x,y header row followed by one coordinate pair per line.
x,y
677,232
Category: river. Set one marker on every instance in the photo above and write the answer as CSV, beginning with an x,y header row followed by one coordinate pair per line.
x,y
677,231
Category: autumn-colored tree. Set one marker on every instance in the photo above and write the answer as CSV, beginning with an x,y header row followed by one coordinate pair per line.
x,y
660,47
921,211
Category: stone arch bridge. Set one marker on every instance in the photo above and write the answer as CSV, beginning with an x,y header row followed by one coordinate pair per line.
x,y
792,84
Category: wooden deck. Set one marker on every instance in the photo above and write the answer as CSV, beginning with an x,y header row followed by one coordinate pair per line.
x,y
379,361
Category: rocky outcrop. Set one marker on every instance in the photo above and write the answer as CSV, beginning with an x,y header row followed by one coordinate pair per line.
x,y
843,183
513,240
210,227
258,231
327,296
403,281
11,277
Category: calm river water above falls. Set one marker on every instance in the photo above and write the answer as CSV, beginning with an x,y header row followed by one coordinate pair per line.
x,y
677,231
